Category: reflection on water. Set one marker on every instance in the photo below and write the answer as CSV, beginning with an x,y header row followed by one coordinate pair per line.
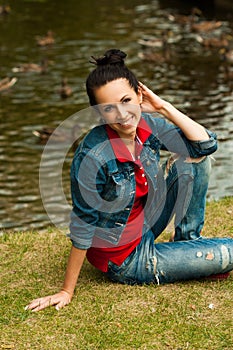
x,y
196,78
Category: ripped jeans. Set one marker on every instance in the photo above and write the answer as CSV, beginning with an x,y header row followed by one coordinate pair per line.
x,y
189,256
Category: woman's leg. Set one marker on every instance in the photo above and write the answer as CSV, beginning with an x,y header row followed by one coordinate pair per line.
x,y
183,197
190,256
174,261
186,260
189,221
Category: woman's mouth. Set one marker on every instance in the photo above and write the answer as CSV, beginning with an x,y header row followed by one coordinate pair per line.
x,y
127,124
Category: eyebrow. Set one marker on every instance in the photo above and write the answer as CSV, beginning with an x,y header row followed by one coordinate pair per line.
x,y
112,103
123,97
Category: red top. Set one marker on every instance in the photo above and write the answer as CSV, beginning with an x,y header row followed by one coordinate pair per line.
x,y
132,233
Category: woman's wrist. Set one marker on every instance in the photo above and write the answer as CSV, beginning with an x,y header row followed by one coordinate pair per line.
x,y
167,110
63,290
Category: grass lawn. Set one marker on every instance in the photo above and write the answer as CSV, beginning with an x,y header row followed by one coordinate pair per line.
x,y
102,315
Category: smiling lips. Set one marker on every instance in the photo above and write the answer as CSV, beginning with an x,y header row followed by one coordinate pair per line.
x,y
127,124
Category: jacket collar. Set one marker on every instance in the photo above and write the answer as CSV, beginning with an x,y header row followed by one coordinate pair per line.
x,y
121,151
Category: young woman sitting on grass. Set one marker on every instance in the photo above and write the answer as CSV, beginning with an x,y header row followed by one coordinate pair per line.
x,y
123,198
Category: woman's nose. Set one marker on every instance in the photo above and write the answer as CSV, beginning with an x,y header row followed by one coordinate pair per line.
x,y
121,112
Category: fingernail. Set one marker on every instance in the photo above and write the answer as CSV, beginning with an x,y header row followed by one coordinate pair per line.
x,y
57,308
26,308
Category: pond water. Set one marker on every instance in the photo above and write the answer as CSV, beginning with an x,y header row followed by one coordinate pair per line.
x,y
195,78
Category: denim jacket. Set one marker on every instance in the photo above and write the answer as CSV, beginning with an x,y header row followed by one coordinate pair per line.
x,y
103,189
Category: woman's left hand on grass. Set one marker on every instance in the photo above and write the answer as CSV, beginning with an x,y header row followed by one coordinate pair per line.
x,y
59,300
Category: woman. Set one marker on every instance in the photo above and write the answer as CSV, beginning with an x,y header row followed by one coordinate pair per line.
x,y
123,199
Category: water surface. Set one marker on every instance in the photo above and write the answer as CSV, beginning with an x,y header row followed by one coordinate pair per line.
x,y
194,79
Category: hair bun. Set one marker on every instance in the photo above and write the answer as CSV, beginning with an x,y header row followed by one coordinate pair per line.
x,y
113,56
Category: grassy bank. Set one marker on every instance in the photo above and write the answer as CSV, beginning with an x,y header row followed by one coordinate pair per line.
x,y
102,315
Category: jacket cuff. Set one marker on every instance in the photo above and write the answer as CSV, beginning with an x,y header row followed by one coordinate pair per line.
x,y
77,243
207,146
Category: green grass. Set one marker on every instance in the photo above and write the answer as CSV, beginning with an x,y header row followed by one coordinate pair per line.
x,y
104,315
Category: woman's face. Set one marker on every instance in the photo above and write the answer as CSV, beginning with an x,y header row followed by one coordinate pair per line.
x,y
119,106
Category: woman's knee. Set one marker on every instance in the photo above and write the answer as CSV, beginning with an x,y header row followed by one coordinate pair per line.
x,y
188,166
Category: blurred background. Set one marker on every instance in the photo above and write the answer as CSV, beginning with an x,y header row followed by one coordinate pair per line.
x,y
183,50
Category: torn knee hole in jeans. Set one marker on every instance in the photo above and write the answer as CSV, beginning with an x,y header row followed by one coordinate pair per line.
x,y
154,261
194,160
173,158
208,255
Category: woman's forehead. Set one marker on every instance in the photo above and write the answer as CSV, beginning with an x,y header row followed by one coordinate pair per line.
x,y
113,91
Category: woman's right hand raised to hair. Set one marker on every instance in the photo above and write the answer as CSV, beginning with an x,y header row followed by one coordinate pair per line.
x,y
150,101
59,300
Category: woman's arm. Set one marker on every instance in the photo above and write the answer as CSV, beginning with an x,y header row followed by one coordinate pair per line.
x,y
153,103
74,265
63,297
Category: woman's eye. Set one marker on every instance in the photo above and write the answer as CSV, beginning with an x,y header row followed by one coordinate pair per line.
x,y
108,109
126,100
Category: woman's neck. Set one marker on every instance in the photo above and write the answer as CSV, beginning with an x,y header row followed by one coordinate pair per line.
x,y
130,144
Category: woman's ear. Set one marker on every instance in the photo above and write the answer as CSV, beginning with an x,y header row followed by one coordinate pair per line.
x,y
139,94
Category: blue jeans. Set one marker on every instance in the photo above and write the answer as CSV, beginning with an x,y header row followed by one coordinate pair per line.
x,y
190,256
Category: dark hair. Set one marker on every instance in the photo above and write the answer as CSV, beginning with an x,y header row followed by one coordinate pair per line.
x,y
110,66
